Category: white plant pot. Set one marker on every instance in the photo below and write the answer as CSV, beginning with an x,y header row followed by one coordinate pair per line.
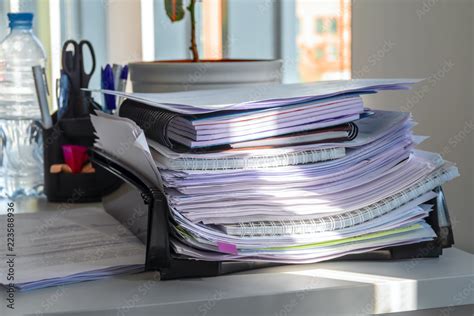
x,y
184,75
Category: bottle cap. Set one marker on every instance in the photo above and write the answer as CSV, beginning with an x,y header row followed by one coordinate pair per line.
x,y
20,19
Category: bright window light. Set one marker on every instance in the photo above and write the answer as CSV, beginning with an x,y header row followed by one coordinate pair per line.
x,y
148,30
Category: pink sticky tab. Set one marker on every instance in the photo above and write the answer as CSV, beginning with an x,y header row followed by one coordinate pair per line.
x,y
227,248
75,156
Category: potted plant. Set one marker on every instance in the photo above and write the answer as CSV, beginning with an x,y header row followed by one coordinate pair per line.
x,y
194,74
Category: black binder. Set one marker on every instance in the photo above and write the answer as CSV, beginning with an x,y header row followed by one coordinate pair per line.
x,y
160,257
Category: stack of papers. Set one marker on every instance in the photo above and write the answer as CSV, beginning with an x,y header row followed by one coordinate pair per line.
x,y
278,195
230,127
61,247
202,119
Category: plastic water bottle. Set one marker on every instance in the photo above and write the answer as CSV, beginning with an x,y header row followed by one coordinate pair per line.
x,y
21,154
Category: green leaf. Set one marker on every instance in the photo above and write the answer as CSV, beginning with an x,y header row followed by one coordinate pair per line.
x,y
174,9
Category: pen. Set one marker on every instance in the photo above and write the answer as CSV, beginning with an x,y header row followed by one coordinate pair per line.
x,y
63,94
108,84
123,79
122,84
42,92
117,71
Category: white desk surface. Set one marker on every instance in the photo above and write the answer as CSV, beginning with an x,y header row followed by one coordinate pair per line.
x,y
331,288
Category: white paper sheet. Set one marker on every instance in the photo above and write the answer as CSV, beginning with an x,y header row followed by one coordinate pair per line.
x,y
67,246
205,101
123,139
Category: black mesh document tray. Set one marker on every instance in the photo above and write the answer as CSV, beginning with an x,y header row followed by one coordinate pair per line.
x,y
160,256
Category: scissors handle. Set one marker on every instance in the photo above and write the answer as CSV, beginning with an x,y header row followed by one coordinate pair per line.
x,y
67,56
73,68
86,77
71,63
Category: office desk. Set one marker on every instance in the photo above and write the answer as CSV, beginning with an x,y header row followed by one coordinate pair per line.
x,y
331,288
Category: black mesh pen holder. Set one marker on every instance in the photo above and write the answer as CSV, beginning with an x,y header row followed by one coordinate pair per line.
x,y
73,187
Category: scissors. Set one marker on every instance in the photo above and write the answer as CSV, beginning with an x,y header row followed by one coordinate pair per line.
x,y
73,67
